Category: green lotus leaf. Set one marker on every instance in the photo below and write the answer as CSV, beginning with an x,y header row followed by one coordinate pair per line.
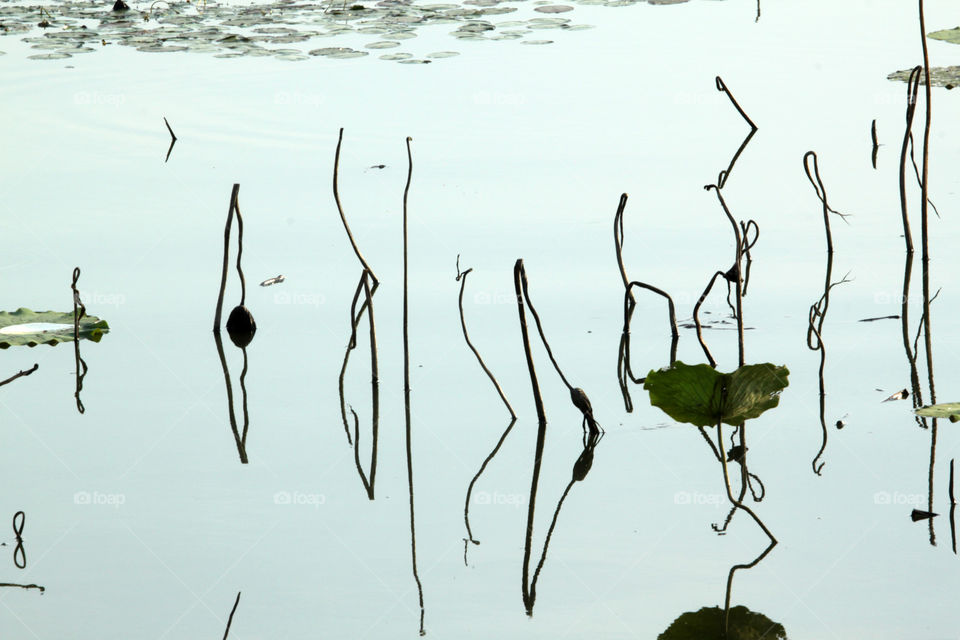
x,y
949,410
695,393
948,77
26,327
947,35
708,624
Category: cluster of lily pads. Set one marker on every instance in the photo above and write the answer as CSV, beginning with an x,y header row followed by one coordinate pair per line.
x,y
285,29
948,77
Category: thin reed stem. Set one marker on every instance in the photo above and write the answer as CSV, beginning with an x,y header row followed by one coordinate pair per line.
x,y
226,257
343,217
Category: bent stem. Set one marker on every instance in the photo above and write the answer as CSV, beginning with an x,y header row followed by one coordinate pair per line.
x,y
913,85
483,467
343,217
738,504
226,256
462,278
736,270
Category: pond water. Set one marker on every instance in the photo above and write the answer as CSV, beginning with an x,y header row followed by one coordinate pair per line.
x,y
148,512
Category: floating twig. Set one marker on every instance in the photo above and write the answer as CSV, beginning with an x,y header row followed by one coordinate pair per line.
x,y
20,374
876,146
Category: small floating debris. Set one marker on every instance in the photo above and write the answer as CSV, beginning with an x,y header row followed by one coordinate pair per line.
x,y
917,515
272,281
120,5
899,395
879,318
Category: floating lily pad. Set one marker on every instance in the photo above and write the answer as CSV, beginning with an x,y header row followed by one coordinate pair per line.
x,y
695,393
947,35
443,54
948,410
26,327
948,77
396,56
554,8
708,624
382,44
537,42
49,56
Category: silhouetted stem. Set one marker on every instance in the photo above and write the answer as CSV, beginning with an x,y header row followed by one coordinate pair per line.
x,y
483,466
343,217
696,318
462,277
232,415
726,482
230,619
738,245
226,257
406,387
21,373
913,84
723,87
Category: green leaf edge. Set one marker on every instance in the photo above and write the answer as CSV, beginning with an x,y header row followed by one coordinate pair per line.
x,y
91,327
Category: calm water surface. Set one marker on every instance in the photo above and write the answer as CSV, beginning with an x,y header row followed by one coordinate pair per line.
x,y
141,520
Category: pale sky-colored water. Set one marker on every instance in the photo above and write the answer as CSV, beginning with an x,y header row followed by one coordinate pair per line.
x,y
140,519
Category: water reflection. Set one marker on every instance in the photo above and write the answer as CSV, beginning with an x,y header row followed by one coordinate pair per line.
x,y
592,436
818,310
368,479
624,366
239,436
816,318
173,140
462,278
729,623
581,467
240,324
19,554
79,311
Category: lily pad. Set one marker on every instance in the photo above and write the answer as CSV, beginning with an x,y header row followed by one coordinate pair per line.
x,y
695,393
26,327
947,35
948,77
948,410
708,623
